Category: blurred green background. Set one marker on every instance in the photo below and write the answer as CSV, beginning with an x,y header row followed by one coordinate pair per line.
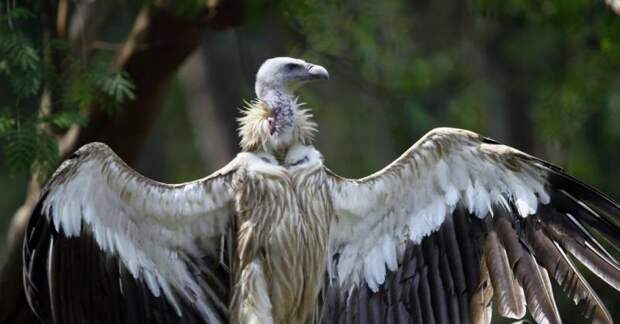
x,y
540,75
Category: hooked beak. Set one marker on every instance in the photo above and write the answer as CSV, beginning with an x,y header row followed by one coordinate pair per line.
x,y
317,72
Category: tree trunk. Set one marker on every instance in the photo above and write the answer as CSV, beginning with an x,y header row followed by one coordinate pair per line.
x,y
215,142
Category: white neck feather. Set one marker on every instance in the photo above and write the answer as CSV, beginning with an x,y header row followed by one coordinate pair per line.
x,y
256,136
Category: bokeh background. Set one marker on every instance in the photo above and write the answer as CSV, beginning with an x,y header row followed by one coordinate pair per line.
x,y
161,82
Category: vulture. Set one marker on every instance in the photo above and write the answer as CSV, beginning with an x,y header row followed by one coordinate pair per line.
x,y
457,227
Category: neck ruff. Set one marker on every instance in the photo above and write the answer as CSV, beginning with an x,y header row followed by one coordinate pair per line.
x,y
254,128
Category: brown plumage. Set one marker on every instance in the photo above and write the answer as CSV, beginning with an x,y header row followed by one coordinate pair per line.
x,y
539,298
508,293
283,226
480,305
559,266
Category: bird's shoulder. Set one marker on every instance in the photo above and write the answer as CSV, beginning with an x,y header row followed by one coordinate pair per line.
x,y
258,163
298,157
303,157
451,136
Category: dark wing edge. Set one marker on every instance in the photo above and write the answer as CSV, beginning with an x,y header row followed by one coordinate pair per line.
x,y
470,265
71,278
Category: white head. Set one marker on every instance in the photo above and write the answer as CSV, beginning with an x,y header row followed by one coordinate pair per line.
x,y
284,74
274,123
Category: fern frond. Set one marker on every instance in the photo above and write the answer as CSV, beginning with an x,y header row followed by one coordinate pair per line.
x,y
27,147
21,62
20,149
65,119
25,85
118,85
18,51
47,156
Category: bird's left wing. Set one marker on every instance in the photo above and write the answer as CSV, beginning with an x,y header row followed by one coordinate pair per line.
x,y
460,221
108,245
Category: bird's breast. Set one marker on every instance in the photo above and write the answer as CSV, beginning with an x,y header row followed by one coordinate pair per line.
x,y
283,220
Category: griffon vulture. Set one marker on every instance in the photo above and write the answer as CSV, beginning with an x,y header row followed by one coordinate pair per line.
x,y
455,227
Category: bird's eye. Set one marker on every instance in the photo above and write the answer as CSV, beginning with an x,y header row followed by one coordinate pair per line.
x,y
292,66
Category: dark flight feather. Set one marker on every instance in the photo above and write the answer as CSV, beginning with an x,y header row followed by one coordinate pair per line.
x,y
539,301
82,284
508,295
559,266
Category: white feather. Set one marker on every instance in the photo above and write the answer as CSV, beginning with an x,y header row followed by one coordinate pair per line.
x,y
141,222
410,198
389,251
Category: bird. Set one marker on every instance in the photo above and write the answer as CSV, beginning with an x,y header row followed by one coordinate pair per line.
x,y
456,228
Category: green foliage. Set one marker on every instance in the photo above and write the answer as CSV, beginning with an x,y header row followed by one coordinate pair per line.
x,y
26,147
19,52
20,148
17,13
19,58
551,66
65,119
98,83
374,37
472,107
117,85
6,124
27,137
21,62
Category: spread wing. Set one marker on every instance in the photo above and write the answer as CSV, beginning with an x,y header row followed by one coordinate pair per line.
x,y
459,222
107,245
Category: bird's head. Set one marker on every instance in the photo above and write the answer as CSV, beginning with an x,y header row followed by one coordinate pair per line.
x,y
274,122
284,74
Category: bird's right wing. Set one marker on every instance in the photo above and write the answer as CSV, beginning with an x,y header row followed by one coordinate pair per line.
x,y
107,245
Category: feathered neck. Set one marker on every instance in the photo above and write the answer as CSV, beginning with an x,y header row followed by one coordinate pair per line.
x,y
255,133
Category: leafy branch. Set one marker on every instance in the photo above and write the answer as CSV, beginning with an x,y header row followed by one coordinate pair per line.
x,y
28,140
